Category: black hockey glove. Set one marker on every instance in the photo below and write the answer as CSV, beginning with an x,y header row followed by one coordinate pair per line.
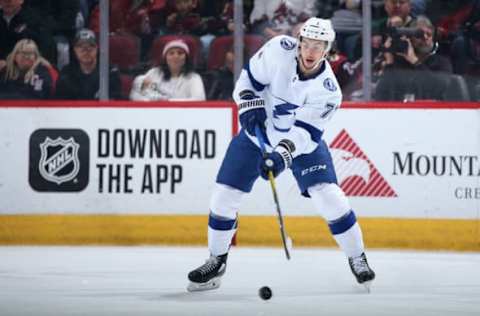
x,y
251,111
278,160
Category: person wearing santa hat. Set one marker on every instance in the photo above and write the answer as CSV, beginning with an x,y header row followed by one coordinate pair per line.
x,y
173,79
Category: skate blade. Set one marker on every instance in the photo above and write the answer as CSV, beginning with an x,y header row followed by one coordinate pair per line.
x,y
367,285
210,285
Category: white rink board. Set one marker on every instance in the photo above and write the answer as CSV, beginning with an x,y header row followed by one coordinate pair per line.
x,y
381,134
198,173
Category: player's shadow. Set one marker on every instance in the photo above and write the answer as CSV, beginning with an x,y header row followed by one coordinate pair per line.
x,y
204,296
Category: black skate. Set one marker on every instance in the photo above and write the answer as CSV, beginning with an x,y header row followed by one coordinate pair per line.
x,y
361,270
207,276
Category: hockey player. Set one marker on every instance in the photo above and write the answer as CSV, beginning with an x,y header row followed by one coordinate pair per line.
x,y
289,90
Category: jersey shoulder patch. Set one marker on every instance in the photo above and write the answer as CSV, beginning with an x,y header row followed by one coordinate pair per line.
x,y
287,44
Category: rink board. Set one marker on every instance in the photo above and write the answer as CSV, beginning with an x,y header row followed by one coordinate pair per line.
x,y
411,169
426,234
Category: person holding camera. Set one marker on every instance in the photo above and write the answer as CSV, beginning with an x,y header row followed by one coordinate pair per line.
x,y
411,67
398,15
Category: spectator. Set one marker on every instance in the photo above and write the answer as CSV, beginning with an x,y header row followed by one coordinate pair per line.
x,y
416,70
220,81
140,17
347,22
419,7
398,15
217,20
348,73
174,79
217,17
80,80
465,49
61,17
325,8
183,17
18,22
27,75
272,18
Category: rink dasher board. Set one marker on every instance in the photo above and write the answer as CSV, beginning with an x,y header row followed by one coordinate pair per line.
x,y
399,205
393,160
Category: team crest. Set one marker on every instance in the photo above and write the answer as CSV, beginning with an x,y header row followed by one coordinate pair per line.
x,y
329,85
287,44
59,161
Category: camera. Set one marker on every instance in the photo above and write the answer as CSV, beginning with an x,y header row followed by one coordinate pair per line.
x,y
398,44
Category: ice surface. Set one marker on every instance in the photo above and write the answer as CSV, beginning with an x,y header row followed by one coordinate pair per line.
x,y
152,281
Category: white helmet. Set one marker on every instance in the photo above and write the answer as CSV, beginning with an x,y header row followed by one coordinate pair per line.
x,y
318,29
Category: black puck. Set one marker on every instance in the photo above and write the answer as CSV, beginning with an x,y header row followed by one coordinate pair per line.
x,y
265,293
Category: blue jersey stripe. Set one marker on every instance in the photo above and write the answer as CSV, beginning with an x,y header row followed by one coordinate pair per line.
x,y
255,83
343,224
314,132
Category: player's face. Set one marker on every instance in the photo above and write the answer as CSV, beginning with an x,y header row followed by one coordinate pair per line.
x,y
311,51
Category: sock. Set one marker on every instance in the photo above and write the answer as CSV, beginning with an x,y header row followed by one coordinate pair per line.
x,y
220,233
348,234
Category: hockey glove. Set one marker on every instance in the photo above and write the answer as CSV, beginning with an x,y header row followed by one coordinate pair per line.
x,y
251,111
278,160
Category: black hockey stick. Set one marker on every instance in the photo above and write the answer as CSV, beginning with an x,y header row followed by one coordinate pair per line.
x,y
287,242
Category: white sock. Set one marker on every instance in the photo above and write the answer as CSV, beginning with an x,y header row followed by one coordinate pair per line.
x,y
351,241
219,240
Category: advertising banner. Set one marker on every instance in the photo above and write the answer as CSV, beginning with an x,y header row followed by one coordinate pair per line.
x,y
110,160
417,163
163,158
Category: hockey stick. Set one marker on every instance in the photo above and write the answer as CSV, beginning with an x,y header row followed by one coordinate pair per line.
x,y
287,241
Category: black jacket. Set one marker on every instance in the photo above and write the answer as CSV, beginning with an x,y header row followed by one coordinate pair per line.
x,y
26,24
428,79
39,87
59,15
219,84
73,84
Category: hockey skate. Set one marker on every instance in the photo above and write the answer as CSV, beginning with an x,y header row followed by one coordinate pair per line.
x,y
207,277
361,270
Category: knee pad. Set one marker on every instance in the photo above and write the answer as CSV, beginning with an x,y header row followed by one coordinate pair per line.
x,y
225,201
330,200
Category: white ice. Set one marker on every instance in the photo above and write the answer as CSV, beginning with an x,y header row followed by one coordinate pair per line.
x,y
152,280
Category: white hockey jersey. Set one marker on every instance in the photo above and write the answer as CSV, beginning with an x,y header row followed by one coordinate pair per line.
x,y
297,107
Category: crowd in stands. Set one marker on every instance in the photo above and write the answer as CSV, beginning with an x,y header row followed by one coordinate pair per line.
x,y
183,49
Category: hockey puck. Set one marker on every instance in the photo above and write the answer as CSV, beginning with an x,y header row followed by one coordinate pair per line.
x,y
265,293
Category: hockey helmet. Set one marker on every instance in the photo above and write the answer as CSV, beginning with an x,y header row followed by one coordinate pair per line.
x,y
318,29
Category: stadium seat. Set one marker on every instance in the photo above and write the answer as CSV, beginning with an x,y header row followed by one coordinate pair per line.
x,y
124,51
220,45
193,43
126,82
457,89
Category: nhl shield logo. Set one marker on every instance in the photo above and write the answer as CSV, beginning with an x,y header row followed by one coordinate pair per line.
x,y
59,161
